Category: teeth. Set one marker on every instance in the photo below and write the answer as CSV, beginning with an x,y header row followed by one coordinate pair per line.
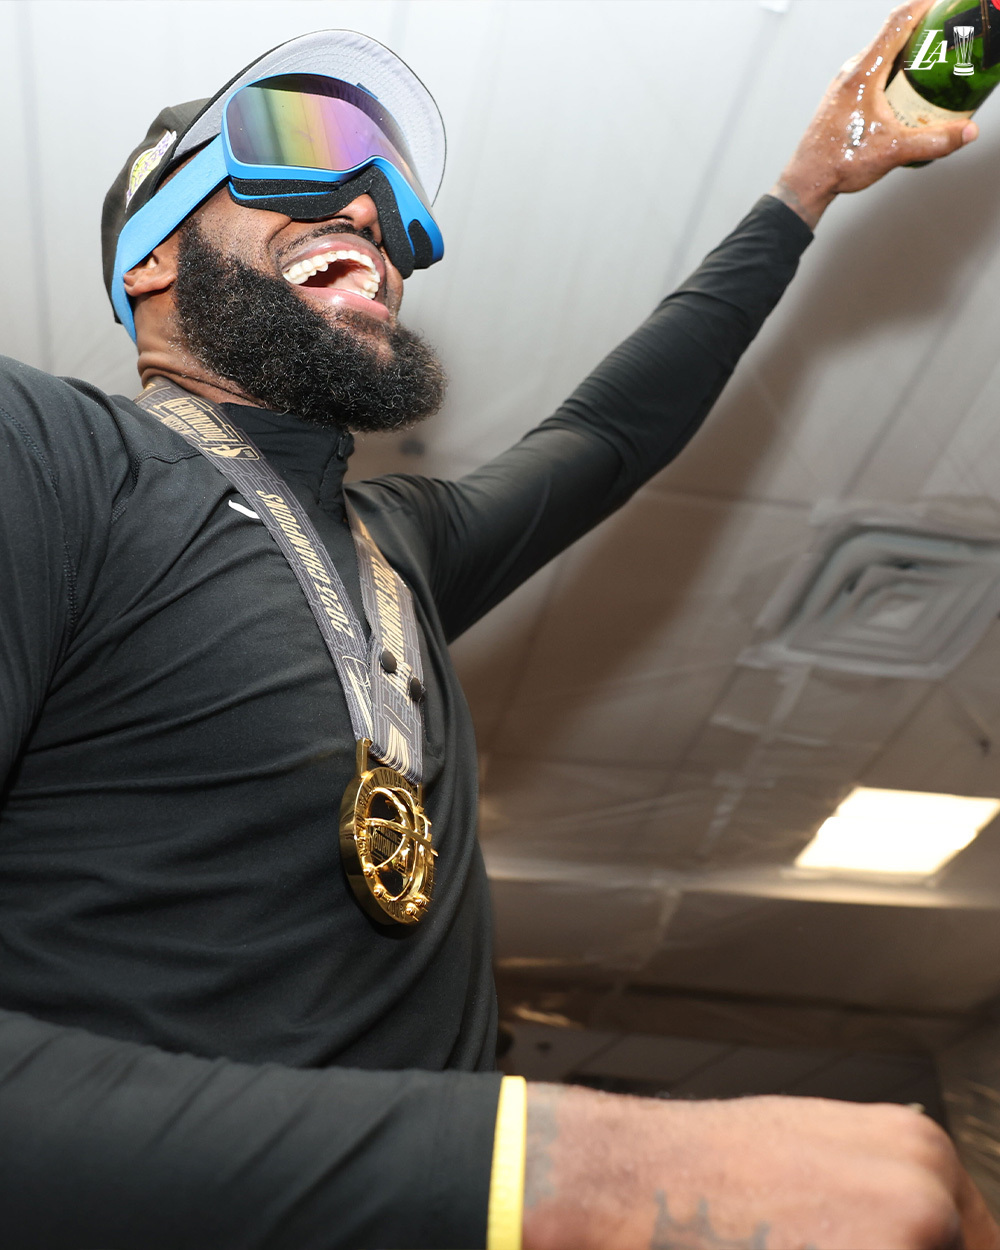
x,y
303,270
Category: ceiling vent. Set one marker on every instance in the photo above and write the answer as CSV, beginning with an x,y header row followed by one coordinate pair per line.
x,y
883,601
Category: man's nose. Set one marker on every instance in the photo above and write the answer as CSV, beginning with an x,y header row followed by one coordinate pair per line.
x,y
362,214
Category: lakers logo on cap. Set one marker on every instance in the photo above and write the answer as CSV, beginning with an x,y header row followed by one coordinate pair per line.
x,y
146,162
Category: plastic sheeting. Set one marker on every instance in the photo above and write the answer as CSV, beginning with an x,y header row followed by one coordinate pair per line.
x,y
768,934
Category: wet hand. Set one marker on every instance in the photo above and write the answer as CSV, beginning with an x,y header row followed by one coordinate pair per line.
x,y
855,138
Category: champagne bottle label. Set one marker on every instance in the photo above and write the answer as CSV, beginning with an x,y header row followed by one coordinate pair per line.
x,y
912,109
950,64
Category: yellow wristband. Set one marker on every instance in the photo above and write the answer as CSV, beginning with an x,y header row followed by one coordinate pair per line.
x,y
506,1210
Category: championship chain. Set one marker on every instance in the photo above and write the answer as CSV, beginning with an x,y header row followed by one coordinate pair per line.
x,y
385,835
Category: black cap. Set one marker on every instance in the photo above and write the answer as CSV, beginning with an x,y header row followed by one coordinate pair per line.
x,y
142,175
181,129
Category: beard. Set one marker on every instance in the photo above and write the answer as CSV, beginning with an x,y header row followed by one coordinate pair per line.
x,y
253,330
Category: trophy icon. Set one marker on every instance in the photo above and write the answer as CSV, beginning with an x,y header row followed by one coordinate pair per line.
x,y
963,36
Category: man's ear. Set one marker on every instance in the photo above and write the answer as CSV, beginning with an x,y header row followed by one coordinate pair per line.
x,y
156,273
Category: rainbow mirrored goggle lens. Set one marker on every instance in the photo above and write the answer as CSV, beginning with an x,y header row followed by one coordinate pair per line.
x,y
266,130
317,127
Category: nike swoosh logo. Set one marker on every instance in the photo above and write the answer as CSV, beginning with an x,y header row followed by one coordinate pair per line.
x,y
239,507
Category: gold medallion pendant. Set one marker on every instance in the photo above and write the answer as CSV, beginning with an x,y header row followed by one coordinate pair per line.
x,y
385,842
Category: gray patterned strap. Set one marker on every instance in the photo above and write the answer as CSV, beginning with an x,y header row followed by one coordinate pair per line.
x,y
383,681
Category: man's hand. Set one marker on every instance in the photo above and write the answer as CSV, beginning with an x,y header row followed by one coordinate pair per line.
x,y
606,1172
855,139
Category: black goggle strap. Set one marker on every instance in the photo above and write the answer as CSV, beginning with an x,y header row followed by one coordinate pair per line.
x,y
408,249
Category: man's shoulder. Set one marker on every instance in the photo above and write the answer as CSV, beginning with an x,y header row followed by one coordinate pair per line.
x,y
20,381
73,424
38,404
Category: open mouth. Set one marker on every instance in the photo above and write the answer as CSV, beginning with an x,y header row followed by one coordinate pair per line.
x,y
336,269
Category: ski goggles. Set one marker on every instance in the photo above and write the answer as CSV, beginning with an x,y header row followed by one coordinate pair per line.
x,y
304,145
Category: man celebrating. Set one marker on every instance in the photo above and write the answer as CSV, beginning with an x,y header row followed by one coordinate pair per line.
x,y
246,976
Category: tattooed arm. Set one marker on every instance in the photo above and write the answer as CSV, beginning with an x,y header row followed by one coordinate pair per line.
x,y
749,1174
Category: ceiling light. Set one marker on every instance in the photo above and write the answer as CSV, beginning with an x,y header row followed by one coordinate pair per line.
x,y
905,832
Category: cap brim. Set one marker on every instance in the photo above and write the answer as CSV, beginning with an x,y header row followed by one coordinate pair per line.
x,y
355,58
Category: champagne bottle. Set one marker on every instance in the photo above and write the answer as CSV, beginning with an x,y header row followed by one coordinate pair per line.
x,y
950,64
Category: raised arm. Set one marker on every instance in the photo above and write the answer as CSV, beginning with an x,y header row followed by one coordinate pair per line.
x,y
644,402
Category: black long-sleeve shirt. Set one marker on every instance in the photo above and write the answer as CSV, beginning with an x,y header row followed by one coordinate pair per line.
x,y
174,744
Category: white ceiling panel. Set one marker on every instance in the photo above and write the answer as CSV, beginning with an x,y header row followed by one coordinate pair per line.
x,y
491,654
946,748
676,596
637,820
